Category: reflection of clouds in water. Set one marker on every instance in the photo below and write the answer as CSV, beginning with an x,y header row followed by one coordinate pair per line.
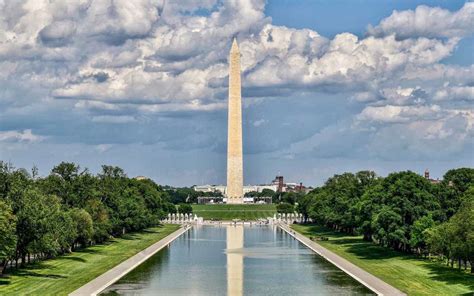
x,y
126,289
205,240
269,253
271,243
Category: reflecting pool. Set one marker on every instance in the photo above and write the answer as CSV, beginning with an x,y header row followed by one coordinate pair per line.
x,y
236,260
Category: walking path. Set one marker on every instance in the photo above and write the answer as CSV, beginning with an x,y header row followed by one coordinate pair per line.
x,y
370,281
101,282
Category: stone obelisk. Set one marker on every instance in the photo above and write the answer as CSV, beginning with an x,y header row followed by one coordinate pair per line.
x,y
235,175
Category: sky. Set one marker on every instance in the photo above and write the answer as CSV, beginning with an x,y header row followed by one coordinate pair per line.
x,y
328,87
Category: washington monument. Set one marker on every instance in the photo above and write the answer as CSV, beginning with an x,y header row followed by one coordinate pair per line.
x,y
235,175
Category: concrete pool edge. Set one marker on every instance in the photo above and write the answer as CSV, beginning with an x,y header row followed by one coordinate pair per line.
x,y
367,279
106,279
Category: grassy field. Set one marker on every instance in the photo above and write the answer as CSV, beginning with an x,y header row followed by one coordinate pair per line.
x,y
65,274
229,212
408,273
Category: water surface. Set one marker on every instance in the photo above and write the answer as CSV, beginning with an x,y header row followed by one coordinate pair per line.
x,y
236,260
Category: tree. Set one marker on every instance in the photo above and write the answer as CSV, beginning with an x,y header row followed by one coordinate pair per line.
x,y
73,186
185,208
42,227
8,236
100,217
169,208
153,195
461,244
460,179
388,228
83,225
367,207
63,233
252,194
455,238
336,203
418,235
451,189
71,207
437,239
290,197
267,192
5,179
179,195
131,213
320,210
285,207
406,198
304,206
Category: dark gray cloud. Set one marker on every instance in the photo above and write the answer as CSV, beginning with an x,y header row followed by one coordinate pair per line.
x,y
57,34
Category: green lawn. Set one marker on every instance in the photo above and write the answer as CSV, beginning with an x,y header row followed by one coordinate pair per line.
x,y
408,273
229,212
65,274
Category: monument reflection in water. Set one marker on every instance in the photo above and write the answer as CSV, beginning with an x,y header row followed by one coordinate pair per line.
x,y
236,260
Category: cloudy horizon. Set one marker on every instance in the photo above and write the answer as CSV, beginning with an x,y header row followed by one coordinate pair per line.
x,y
326,88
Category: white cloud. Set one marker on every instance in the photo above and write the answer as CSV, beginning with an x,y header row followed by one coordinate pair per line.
x,y
390,113
178,58
402,96
427,22
345,60
103,147
20,136
259,122
120,61
455,93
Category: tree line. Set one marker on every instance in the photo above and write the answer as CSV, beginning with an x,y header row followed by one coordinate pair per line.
x,y
181,195
403,211
70,208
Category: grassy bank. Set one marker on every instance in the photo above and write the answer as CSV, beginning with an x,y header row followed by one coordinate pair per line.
x,y
229,212
408,273
65,274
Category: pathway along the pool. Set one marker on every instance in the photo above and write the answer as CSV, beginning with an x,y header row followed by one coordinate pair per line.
x,y
372,282
101,282
237,260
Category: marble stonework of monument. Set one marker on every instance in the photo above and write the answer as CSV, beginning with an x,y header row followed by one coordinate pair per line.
x,y
235,176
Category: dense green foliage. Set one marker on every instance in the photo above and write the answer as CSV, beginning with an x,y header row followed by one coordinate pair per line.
x,y
44,217
264,193
7,231
407,272
64,274
185,208
403,211
225,212
285,207
454,238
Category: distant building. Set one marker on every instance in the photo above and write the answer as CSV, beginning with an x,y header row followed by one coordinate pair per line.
x,y
209,200
278,181
259,188
277,185
223,189
210,188
289,187
141,178
433,181
246,200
